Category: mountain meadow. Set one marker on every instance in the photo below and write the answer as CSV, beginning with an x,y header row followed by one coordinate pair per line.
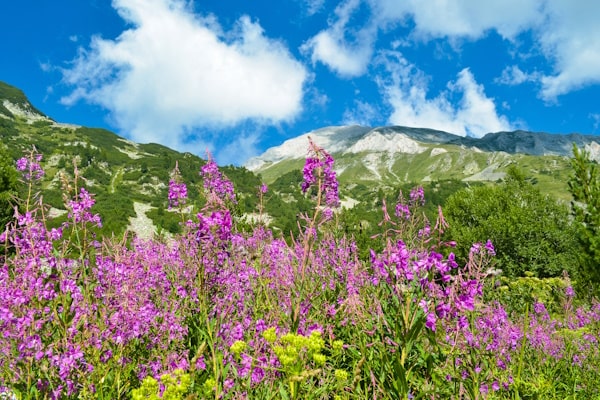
x,y
348,263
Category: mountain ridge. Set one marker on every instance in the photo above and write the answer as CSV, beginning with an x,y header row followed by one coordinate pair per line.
x,y
130,179
349,140
392,156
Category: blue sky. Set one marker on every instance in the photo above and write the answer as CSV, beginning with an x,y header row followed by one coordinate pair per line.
x,y
236,76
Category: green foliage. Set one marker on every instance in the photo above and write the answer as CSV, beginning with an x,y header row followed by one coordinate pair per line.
x,y
584,185
518,294
362,220
115,212
165,220
54,197
530,231
8,187
97,175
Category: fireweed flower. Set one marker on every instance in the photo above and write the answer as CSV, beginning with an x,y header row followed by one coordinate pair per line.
x,y
22,164
318,169
569,292
30,166
402,211
430,321
217,186
417,196
490,248
79,209
177,189
217,225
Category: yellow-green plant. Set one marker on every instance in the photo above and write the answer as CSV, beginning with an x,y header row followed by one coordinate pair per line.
x,y
301,358
176,385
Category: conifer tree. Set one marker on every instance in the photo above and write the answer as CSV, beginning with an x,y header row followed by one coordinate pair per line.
x,y
8,187
584,185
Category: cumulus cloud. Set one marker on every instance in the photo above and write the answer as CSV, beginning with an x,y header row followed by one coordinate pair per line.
x,y
344,50
363,113
174,72
348,51
470,19
566,33
405,89
570,37
513,75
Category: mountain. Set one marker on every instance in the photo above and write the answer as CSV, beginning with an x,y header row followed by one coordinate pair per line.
x,y
129,180
14,103
392,155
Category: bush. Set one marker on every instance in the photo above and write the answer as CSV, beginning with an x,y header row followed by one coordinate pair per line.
x,y
531,232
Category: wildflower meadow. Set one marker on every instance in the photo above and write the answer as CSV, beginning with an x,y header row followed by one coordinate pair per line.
x,y
220,312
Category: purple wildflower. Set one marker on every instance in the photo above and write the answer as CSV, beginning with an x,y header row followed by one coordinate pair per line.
x,y
79,209
490,248
402,211
318,169
30,166
483,389
22,164
177,189
430,321
218,187
417,196
569,292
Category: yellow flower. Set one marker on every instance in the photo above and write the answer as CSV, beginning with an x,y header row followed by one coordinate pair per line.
x,y
237,347
270,335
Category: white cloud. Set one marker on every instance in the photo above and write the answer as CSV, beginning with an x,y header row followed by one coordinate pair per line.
x,y
347,50
344,50
362,113
512,75
596,118
566,33
470,19
313,6
174,71
317,98
570,38
405,89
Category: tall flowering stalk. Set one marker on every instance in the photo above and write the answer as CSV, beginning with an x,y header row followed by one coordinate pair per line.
x,y
217,188
318,173
177,189
32,172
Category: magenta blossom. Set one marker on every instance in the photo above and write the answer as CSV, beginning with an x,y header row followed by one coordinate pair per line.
x,y
30,166
219,188
177,189
318,169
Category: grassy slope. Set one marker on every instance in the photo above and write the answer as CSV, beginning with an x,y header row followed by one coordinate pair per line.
x,y
455,163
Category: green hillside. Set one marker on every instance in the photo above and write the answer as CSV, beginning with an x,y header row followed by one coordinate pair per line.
x,y
130,180
441,162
